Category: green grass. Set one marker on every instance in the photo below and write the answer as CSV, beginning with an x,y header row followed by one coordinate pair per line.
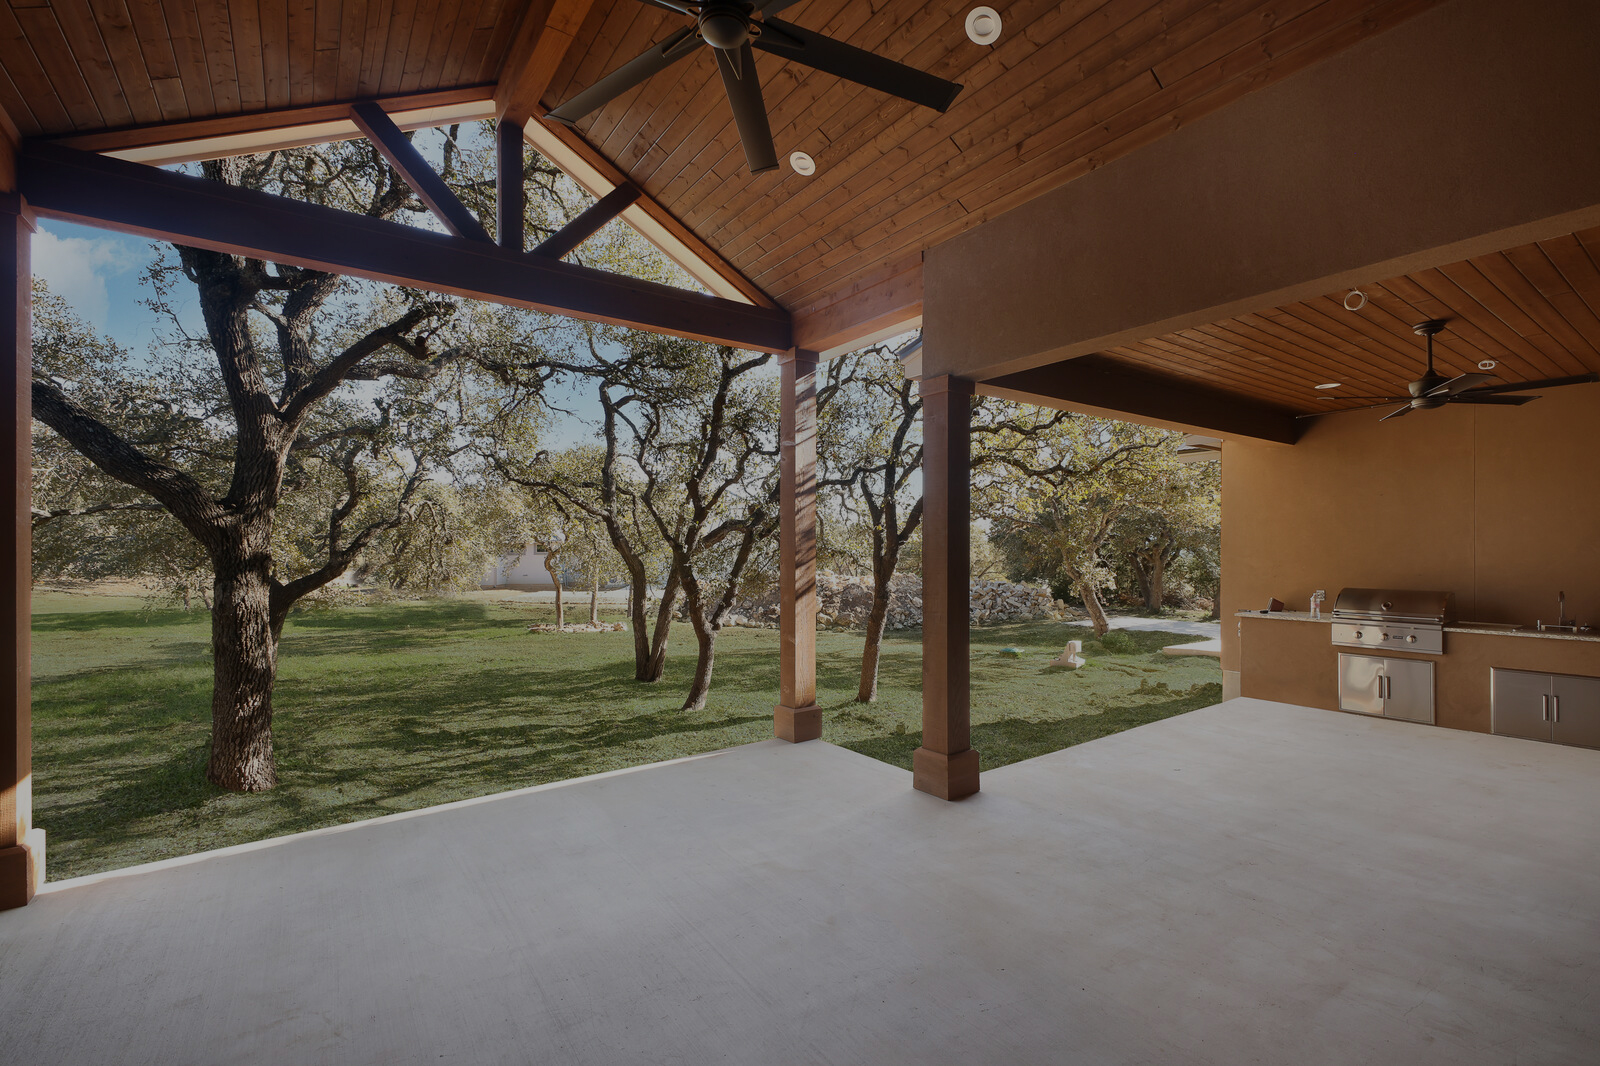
x,y
389,708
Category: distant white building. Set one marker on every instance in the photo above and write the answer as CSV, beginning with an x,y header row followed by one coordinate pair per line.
x,y
524,573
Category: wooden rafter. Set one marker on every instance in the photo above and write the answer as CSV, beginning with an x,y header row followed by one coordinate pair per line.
x,y
397,148
586,225
99,191
545,34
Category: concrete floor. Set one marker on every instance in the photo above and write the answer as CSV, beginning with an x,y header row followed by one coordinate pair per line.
x,y
1250,883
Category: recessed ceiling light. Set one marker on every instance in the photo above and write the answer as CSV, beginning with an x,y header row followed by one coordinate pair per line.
x,y
1329,385
803,164
983,25
1487,364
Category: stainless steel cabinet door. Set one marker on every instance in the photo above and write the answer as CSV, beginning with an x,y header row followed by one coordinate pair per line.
x,y
1408,690
1575,708
1360,683
1519,704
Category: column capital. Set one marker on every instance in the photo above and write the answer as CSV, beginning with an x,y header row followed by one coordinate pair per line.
x,y
945,383
12,203
801,356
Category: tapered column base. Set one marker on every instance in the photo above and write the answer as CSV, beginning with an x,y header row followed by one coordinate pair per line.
x,y
797,724
949,777
22,870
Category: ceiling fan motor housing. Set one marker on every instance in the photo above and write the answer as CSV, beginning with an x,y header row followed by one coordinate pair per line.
x,y
725,25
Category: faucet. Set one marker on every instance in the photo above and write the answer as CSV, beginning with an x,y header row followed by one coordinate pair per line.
x,y
1561,617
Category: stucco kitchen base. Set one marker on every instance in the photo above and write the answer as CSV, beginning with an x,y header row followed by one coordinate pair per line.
x,y
1251,882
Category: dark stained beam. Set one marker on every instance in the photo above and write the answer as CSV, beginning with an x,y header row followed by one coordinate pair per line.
x,y
1099,384
586,225
511,198
397,148
113,194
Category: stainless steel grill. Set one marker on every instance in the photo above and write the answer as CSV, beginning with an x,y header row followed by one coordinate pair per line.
x,y
1395,619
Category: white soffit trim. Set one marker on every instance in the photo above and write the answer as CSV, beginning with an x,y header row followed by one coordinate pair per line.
x,y
298,136
597,185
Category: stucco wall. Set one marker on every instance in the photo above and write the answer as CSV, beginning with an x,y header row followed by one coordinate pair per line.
x,y
1500,506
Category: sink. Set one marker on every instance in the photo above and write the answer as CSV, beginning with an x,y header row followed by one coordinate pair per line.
x,y
1503,627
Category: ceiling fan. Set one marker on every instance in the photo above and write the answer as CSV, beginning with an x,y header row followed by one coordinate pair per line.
x,y
733,28
1433,389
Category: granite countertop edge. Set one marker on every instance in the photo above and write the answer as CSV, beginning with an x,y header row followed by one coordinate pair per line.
x,y
1465,627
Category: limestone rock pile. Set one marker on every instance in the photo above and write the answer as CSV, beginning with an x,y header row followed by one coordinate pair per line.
x,y
844,601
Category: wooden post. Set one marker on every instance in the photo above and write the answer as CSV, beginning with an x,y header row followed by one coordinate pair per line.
x,y
945,765
796,717
510,195
21,846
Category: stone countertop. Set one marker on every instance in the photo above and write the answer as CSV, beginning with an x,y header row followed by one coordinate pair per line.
x,y
1492,629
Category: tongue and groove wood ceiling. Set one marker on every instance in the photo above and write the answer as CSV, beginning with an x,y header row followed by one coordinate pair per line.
x,y
1068,87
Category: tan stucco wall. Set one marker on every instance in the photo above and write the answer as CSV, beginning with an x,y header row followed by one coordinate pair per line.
x,y
1500,506
1464,130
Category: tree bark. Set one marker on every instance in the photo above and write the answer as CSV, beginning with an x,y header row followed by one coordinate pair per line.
x,y
594,598
551,567
1156,596
656,665
705,659
244,641
1091,603
877,619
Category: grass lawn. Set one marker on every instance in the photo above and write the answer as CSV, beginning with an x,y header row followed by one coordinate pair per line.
x,y
389,708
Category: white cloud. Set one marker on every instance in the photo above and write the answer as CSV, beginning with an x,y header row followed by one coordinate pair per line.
x,y
76,269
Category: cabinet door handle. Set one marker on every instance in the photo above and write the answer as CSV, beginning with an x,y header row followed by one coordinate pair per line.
x,y
1555,708
1544,707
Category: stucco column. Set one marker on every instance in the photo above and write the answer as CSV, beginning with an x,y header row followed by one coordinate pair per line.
x,y
21,846
796,717
945,765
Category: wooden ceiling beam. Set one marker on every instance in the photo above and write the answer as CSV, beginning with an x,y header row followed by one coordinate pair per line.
x,y
1101,385
568,150
546,33
569,237
430,188
100,191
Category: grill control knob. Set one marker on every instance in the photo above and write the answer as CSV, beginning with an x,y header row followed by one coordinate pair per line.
x,y
1411,640
1358,634
1383,636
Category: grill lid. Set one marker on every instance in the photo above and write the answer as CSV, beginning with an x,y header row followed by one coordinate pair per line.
x,y
1395,605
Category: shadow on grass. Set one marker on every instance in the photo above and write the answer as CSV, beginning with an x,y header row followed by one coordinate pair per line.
x,y
1009,740
96,621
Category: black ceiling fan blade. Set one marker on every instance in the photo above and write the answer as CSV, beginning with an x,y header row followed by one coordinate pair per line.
x,y
1397,412
743,85
1547,383
666,5
1458,384
1497,400
772,7
625,77
853,64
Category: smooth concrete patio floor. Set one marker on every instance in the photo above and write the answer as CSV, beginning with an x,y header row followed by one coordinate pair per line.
x,y
1249,883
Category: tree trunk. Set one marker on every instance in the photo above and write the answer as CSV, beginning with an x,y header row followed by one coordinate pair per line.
x,y
877,619
594,598
706,638
551,568
1091,603
1142,572
244,642
1156,597
656,665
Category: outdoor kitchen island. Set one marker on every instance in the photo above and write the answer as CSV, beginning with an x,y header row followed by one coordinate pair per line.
x,y
1289,657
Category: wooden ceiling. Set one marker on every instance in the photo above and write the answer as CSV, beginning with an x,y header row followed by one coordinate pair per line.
x,y
1070,86
1535,310
79,65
